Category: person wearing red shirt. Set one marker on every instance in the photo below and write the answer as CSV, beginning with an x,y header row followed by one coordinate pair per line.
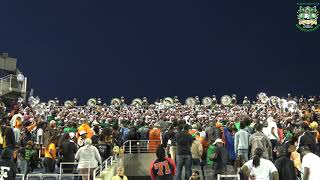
x,y
163,168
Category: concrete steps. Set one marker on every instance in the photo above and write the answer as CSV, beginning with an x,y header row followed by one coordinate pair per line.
x,y
110,171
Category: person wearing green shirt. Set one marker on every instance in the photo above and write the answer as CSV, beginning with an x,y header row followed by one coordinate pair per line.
x,y
210,151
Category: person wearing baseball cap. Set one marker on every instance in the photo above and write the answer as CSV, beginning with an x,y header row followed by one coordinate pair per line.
x,y
221,158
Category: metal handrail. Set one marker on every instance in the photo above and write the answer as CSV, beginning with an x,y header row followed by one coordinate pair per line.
x,y
229,176
138,146
5,77
20,176
57,176
9,79
97,171
72,163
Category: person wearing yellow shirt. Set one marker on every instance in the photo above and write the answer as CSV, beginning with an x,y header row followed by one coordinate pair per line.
x,y
1,139
120,175
50,155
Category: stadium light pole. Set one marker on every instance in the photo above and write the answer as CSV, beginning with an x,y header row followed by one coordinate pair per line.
x,y
20,78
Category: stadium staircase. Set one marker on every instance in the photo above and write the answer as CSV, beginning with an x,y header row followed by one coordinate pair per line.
x,y
108,168
135,160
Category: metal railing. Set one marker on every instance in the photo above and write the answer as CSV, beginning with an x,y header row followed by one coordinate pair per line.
x,y
228,176
10,83
141,146
62,174
20,176
41,176
105,164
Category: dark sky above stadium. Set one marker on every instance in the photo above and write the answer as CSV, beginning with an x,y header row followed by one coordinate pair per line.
x,y
153,48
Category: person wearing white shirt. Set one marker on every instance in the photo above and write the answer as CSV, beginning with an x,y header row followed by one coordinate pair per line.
x,y
39,136
241,142
89,158
310,164
259,168
272,133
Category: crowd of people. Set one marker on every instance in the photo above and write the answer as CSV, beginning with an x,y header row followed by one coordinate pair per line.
x,y
260,140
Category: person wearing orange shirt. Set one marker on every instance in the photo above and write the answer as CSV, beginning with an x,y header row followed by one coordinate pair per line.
x,y
155,138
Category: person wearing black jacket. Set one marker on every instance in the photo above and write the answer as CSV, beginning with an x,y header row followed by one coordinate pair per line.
x,y
184,157
284,165
68,151
308,138
104,147
9,139
169,135
8,167
95,137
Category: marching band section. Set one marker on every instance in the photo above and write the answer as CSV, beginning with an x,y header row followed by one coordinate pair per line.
x,y
266,138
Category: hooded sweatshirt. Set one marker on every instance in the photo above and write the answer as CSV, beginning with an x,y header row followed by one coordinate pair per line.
x,y
88,157
8,168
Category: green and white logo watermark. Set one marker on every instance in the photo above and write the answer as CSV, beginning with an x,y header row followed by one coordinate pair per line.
x,y
307,18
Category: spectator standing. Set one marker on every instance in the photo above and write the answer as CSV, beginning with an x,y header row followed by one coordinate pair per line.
x,y
241,142
184,157
8,167
229,133
260,140
211,149
307,138
196,152
50,155
220,156
260,168
89,158
68,150
105,146
17,129
9,141
169,142
25,156
284,165
310,164
155,138
133,136
273,134
144,134
163,168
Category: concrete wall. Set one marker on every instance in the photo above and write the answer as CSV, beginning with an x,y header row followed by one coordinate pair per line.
x,y
8,63
138,164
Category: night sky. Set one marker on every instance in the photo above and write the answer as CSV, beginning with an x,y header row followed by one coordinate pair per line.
x,y
102,48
